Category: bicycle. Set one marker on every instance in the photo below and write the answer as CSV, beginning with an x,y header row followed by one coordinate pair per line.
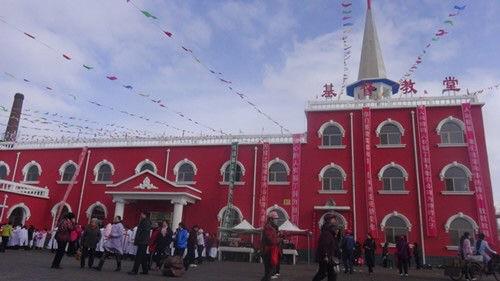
x,y
474,267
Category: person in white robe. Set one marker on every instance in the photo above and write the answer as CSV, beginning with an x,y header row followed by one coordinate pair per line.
x,y
52,245
132,249
14,240
23,237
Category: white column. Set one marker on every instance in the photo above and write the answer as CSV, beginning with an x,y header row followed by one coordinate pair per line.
x,y
177,216
119,207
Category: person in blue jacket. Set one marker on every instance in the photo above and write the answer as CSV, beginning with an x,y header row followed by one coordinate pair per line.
x,y
181,240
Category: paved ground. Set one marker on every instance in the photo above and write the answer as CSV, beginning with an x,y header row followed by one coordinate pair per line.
x,y
34,265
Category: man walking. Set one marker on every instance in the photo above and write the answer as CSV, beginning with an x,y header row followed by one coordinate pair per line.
x,y
270,248
141,240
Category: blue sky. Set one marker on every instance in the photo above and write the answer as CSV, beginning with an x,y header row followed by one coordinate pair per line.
x,y
279,53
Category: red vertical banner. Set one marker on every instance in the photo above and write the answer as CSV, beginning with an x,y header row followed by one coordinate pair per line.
x,y
370,196
482,205
296,158
425,164
263,182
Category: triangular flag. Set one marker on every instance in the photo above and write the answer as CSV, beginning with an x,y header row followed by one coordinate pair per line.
x,y
66,57
29,35
87,66
169,34
128,87
149,15
448,22
111,77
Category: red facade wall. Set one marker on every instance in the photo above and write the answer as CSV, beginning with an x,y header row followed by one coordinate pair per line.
x,y
209,159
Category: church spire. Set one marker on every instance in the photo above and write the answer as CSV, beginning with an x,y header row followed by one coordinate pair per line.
x,y
371,64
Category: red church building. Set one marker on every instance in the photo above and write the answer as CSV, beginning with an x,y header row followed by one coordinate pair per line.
x,y
415,166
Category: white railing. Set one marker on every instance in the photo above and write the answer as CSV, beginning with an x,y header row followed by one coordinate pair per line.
x,y
149,142
24,189
390,103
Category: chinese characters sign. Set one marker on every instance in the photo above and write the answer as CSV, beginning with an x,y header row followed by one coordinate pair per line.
x,y
482,205
450,84
263,182
296,157
329,92
425,157
370,197
408,87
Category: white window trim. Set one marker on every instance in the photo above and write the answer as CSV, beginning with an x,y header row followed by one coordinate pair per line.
x,y
466,193
27,167
400,145
236,183
331,165
457,121
340,191
452,144
336,214
7,168
98,166
392,165
90,209
447,225
397,214
278,160
390,121
23,206
53,211
329,123
332,146
63,168
227,163
221,212
455,164
142,163
277,207
279,183
393,192
179,164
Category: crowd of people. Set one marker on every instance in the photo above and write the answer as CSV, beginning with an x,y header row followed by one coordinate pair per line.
x,y
154,246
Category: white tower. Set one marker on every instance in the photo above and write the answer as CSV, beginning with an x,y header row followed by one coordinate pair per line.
x,y
372,82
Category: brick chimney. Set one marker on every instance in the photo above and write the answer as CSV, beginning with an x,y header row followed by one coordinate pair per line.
x,y
15,117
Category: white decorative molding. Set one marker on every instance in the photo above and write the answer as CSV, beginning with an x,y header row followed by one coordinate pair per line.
x,y
392,122
221,213
185,161
142,163
392,165
26,209
332,165
236,183
53,211
466,193
341,191
395,214
277,207
227,163
7,168
463,216
90,209
28,166
278,160
330,123
393,192
180,201
452,144
146,184
399,145
279,183
98,166
455,164
24,189
332,146
457,121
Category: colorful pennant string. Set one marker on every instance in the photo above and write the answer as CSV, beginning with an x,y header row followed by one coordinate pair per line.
x,y
484,90
347,22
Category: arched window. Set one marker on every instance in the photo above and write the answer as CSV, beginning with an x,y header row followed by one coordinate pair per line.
x,y
332,136
104,173
144,165
237,176
394,226
18,214
97,210
340,220
278,171
451,131
3,172
390,134
235,216
68,173
32,171
282,214
185,173
456,179
147,166
457,228
393,179
332,179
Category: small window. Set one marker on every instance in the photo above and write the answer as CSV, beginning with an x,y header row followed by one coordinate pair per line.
x,y
33,174
393,179
237,176
3,172
104,174
457,228
456,179
451,133
390,134
185,173
281,216
332,179
68,173
395,227
332,136
277,172
147,166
